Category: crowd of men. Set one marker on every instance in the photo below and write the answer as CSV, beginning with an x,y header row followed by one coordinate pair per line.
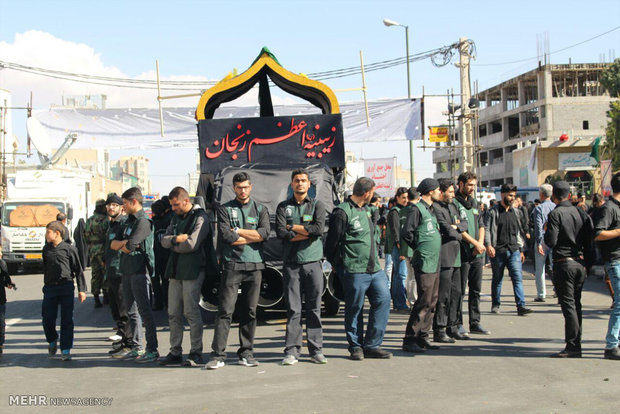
x,y
436,236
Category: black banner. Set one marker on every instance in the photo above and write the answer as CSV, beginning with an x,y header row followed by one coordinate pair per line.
x,y
284,140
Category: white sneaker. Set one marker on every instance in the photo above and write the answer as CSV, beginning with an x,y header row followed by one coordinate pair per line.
x,y
115,338
289,360
214,364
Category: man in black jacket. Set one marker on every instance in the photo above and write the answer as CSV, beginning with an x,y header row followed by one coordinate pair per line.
x,y
450,227
568,235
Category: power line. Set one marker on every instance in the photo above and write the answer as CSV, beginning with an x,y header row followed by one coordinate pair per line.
x,y
551,53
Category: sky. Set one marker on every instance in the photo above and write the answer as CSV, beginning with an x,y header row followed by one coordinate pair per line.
x,y
205,40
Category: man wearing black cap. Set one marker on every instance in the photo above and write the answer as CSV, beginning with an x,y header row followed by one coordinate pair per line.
x,y
505,241
351,244
568,235
421,232
607,234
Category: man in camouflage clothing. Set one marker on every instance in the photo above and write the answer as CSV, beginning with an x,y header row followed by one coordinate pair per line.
x,y
95,235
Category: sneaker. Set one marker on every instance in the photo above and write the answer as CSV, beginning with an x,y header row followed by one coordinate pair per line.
x,y
147,357
214,364
170,360
478,329
248,361
377,353
495,309
413,347
318,358
118,345
118,352
65,355
357,354
114,338
52,348
289,360
523,311
567,354
613,353
193,360
539,300
1,349
131,355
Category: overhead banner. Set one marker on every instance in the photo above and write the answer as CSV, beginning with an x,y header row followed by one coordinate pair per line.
x,y
296,140
383,172
438,134
606,177
127,128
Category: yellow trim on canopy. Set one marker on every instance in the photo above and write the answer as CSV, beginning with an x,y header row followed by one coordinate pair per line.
x,y
265,60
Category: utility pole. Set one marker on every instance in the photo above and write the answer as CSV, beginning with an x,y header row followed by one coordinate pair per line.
x,y
465,133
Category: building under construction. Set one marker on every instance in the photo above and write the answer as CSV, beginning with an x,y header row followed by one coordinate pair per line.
x,y
533,127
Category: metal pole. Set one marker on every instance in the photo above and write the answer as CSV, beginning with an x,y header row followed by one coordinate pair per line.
x,y
161,114
364,88
411,164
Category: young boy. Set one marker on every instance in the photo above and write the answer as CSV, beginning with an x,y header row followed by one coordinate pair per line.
x,y
5,281
61,265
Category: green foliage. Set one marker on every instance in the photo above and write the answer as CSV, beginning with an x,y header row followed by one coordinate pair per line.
x,y
610,79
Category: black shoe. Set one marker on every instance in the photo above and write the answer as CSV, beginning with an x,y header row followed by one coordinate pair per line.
x,y
478,329
106,301
377,353
613,353
171,360
567,354
426,345
523,311
193,360
98,303
357,354
442,337
413,347
539,300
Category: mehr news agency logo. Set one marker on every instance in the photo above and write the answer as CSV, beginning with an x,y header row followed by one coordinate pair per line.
x,y
44,400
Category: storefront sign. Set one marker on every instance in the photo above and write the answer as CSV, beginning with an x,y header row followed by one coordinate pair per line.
x,y
575,161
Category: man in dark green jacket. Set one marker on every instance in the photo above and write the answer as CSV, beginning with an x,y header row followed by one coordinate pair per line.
x,y
300,221
184,237
351,243
421,232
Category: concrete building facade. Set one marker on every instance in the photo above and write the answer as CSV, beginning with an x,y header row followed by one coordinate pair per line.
x,y
534,110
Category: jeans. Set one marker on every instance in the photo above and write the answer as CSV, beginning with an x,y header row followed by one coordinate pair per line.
x,y
512,260
53,297
183,298
136,288
250,282
541,270
389,266
356,286
613,270
569,279
399,278
303,281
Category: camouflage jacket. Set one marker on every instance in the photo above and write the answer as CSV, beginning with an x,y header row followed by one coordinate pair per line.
x,y
96,230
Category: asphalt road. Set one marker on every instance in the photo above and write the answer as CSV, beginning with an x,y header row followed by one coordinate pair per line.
x,y
508,371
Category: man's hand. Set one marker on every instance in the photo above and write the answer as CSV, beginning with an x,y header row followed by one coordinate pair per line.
x,y
541,250
180,238
522,258
491,251
117,244
479,248
401,258
82,296
527,236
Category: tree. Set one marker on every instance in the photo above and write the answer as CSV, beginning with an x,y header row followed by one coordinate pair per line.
x,y
610,79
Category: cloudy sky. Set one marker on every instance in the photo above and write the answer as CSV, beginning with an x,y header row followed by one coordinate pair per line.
x,y
204,40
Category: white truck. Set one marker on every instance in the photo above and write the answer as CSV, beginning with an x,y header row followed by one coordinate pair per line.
x,y
34,197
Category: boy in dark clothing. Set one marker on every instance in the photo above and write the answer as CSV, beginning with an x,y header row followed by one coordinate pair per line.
x,y
61,265
5,281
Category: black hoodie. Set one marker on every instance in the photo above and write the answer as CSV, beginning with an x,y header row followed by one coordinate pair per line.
x,y
61,265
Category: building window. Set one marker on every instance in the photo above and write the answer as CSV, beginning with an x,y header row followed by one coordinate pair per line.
x,y
586,125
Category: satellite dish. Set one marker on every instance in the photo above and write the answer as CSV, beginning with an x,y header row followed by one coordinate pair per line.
x,y
39,137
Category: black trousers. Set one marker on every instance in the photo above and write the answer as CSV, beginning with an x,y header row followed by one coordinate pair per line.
x,y
303,281
250,289
117,306
448,298
471,274
160,290
423,310
569,278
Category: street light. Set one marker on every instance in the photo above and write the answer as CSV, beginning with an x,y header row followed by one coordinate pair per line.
x,y
389,23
